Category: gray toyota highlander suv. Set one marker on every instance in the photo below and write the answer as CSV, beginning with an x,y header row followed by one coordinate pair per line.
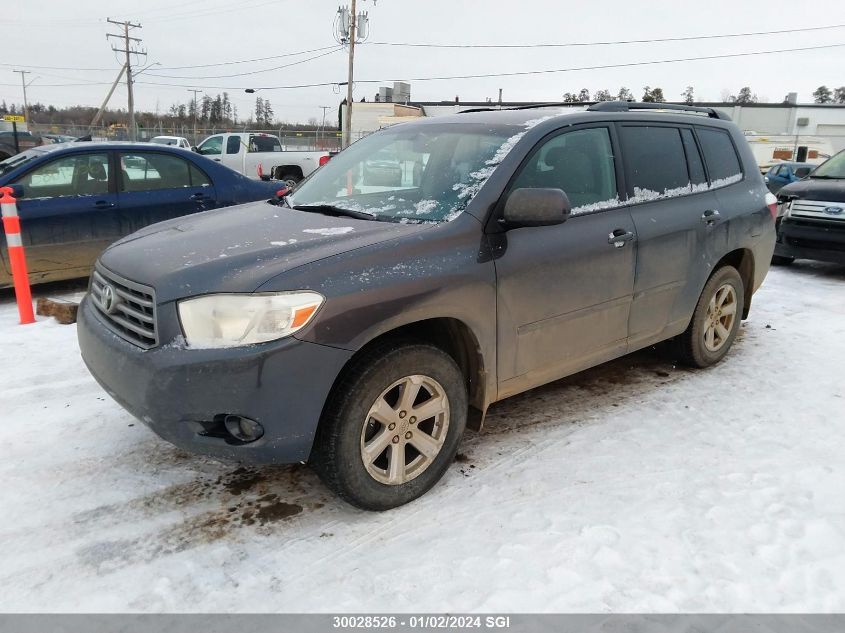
x,y
424,273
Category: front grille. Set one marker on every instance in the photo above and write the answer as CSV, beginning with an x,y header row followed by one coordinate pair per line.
x,y
815,209
128,308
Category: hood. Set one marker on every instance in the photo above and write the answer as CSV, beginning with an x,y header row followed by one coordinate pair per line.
x,y
237,249
815,189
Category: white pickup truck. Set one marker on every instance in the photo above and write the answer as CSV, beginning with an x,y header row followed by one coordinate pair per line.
x,y
258,155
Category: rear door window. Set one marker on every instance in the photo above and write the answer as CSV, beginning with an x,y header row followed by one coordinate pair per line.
x,y
720,156
150,172
233,144
656,161
258,143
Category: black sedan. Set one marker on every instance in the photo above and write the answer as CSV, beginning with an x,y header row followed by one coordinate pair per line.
x,y
74,199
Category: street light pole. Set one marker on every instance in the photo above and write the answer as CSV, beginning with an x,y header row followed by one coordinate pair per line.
x,y
347,128
24,73
195,91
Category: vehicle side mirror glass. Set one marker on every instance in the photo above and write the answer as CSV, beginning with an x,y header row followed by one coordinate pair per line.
x,y
537,207
194,148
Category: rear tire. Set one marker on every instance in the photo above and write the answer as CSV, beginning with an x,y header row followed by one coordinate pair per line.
x,y
371,449
715,321
781,260
290,180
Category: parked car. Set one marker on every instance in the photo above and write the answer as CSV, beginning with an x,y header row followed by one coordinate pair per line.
x,y
176,141
362,330
26,140
258,155
812,215
75,199
785,173
57,138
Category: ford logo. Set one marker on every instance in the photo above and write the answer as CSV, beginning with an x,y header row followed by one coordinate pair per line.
x,y
833,210
108,299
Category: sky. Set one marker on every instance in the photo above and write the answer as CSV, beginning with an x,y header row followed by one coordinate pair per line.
x,y
64,43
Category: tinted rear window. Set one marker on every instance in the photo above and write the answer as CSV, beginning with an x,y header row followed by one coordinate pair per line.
x,y
655,158
719,154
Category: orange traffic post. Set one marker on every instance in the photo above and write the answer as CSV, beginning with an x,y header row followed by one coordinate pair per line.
x,y
12,228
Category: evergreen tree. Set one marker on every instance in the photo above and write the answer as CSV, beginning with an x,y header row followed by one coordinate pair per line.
x,y
268,113
823,94
688,95
838,95
584,95
259,111
647,97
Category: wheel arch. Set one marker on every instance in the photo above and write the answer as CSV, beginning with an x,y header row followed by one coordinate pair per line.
x,y
449,334
743,260
282,170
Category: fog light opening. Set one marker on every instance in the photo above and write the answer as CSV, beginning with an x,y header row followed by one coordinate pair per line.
x,y
243,429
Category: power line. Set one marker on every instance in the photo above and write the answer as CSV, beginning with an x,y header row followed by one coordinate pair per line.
x,y
613,42
252,72
484,75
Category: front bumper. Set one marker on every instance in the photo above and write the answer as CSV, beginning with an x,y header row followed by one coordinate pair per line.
x,y
811,239
180,392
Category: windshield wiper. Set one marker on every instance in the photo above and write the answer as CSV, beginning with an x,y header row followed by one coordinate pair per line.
x,y
823,177
330,209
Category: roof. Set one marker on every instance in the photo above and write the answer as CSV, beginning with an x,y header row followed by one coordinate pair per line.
x,y
88,145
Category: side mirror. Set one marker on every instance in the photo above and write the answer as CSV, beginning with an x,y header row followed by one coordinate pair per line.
x,y
537,207
766,179
17,190
194,148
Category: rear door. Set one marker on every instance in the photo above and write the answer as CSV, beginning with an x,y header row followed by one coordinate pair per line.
x,y
68,212
564,292
677,222
156,186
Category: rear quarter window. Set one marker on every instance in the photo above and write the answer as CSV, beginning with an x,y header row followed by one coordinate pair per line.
x,y
719,155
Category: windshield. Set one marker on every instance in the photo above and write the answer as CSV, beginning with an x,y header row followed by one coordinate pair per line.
x,y
831,168
17,160
161,140
411,173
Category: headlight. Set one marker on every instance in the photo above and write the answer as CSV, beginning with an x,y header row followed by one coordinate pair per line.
x,y
229,320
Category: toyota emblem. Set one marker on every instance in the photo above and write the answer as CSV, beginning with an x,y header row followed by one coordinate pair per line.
x,y
108,299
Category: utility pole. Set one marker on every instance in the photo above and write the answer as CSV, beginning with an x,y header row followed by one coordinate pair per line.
x,y
347,129
24,73
128,50
323,124
195,91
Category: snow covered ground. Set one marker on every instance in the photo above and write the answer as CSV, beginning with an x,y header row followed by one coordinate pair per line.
x,y
633,487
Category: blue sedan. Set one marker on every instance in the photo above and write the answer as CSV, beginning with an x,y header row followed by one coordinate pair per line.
x,y
786,173
74,199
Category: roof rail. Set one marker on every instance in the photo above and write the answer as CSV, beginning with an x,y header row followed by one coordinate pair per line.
x,y
627,106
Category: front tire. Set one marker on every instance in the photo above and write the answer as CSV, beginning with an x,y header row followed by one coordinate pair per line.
x,y
392,426
715,321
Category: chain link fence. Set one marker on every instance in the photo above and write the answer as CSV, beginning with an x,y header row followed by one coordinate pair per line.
x,y
291,139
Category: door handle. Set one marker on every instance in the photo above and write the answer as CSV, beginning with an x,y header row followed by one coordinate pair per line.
x,y
217,159
103,204
199,197
619,237
710,216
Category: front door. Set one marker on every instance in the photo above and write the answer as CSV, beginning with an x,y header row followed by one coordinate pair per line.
x,y
68,214
564,292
